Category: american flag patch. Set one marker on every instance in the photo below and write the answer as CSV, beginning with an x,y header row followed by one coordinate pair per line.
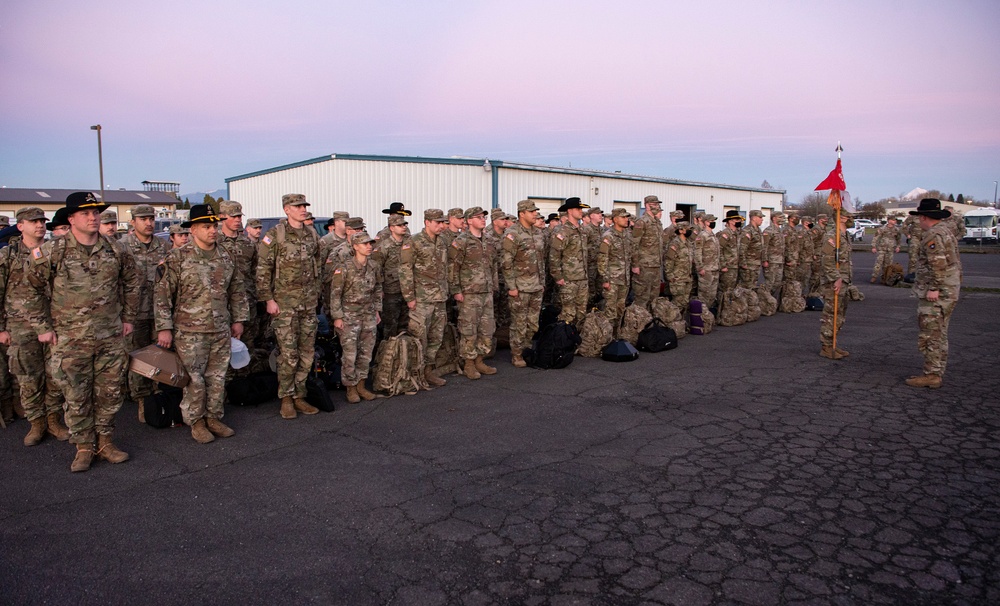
x,y
510,237
36,253
336,271
267,240
406,247
560,236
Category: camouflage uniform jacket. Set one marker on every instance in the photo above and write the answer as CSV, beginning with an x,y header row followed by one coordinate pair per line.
x,y
328,243
793,245
92,292
386,256
706,251
677,260
647,234
614,259
568,253
774,244
470,265
752,250
817,233
356,290
423,269
729,248
938,265
523,259
449,236
887,238
288,268
146,257
15,263
189,291
593,234
829,256
495,242
957,225
243,252
806,245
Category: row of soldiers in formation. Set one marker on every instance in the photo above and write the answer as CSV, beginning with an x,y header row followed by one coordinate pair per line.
x,y
82,300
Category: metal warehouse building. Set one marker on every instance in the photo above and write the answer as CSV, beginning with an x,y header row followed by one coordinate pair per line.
x,y
364,185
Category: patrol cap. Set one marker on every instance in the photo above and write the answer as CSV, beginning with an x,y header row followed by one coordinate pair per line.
x,y
594,210
457,213
28,213
777,216
621,212
822,216
676,214
435,214
109,216
4,221
254,223
475,211
360,238
341,215
310,217
143,210
177,228
230,208
526,206
511,218
294,200
355,223
651,200
807,219
699,215
682,225
59,219
710,217
755,213
397,220
498,214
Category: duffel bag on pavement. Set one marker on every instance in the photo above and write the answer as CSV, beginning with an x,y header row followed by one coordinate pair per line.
x,y
656,337
553,347
619,350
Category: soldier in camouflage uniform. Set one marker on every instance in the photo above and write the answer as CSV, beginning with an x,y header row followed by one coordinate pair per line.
x,y
593,226
818,233
109,224
647,254
39,396
147,251
243,253
614,263
670,230
201,300
774,245
956,222
85,300
471,276
288,281
753,255
835,278
568,252
793,249
59,225
396,208
338,255
423,278
456,224
335,237
395,314
706,261
936,286
523,264
179,236
729,253
677,265
499,223
254,227
887,239
355,305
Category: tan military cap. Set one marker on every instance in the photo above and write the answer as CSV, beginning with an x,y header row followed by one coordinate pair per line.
x,y
109,216
310,217
4,221
143,210
435,214
822,216
777,215
397,220
682,225
456,212
594,210
621,212
28,213
230,208
676,214
498,214
341,215
355,223
699,215
254,223
361,237
294,200
526,206
651,200
755,213
178,229
475,211
710,217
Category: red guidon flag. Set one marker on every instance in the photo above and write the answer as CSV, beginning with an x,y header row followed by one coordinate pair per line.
x,y
835,180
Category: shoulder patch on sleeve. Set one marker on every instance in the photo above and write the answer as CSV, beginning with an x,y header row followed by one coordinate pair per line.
x,y
266,240
36,252
336,271
406,247
725,236
931,246
560,236
832,243
454,243
606,241
510,237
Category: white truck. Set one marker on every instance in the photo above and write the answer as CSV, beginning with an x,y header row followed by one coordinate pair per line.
x,y
982,224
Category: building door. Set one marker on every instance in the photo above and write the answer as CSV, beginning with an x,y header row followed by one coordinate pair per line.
x,y
688,210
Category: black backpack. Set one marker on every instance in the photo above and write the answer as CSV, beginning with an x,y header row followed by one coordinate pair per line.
x,y
317,395
163,408
553,346
656,337
253,390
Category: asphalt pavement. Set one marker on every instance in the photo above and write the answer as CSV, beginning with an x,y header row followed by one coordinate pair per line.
x,y
740,468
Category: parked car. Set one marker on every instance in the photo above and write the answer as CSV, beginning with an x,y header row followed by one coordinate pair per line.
x,y
857,233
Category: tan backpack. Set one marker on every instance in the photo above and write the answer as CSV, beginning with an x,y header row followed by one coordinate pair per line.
x,y
595,333
753,304
635,319
792,301
768,304
399,366
732,309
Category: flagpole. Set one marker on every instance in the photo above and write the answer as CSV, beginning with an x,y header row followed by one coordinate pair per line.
x,y
836,294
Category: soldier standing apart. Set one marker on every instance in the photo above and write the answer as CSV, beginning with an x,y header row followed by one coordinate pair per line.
x,y
647,254
355,305
147,251
937,285
729,253
85,299
887,240
471,275
523,266
288,281
395,313
201,300
677,266
834,279
614,261
774,245
706,261
243,253
423,279
753,255
568,252
40,398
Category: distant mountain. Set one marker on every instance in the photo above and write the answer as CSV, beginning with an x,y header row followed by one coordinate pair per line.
x,y
915,193
199,196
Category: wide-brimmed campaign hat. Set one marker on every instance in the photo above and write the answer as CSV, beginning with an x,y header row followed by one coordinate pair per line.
x,y
82,200
931,207
396,208
572,203
201,214
60,219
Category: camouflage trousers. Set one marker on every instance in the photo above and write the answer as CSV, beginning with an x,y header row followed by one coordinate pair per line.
x,y
708,287
573,296
357,342
206,359
427,322
727,281
594,290
614,304
914,249
501,306
804,273
933,318
142,335
476,325
680,293
748,276
826,320
883,259
91,375
295,333
29,363
395,314
524,311
814,278
251,328
774,275
646,285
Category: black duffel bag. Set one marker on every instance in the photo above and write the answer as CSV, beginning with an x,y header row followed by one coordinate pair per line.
x,y
619,350
656,337
553,347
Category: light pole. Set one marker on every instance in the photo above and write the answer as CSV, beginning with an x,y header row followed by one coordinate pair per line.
x,y
100,158
994,194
